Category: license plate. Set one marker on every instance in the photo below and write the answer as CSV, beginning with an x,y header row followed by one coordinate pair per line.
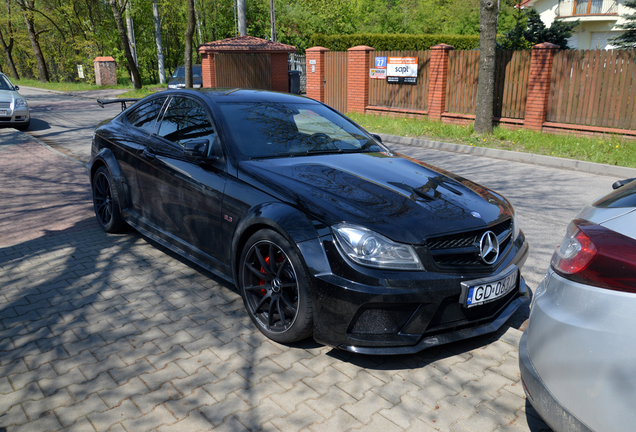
x,y
4,112
486,290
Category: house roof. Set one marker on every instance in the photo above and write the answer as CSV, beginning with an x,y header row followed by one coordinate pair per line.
x,y
527,3
104,59
245,44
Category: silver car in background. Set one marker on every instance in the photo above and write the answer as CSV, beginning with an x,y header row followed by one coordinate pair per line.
x,y
578,354
14,110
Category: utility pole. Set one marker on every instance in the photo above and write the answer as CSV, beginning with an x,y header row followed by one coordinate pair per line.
x,y
272,13
242,25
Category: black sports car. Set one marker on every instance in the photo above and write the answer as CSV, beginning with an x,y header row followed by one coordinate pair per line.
x,y
323,229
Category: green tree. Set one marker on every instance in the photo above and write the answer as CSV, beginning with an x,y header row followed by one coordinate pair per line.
x,y
628,39
529,30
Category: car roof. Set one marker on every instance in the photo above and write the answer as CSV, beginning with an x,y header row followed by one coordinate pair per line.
x,y
236,95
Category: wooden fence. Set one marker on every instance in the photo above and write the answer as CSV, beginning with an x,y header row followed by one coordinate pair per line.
x,y
336,74
512,71
243,70
398,95
593,88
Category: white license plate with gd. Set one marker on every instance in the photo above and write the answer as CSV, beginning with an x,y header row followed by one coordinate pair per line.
x,y
5,112
486,290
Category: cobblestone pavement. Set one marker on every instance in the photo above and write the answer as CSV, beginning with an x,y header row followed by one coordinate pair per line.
x,y
112,332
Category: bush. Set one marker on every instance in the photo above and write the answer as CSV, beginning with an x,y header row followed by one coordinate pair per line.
x,y
393,42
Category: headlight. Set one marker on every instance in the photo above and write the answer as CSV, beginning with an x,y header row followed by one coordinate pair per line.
x,y
172,86
20,103
371,249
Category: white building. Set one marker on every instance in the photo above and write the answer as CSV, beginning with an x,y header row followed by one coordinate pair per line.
x,y
599,19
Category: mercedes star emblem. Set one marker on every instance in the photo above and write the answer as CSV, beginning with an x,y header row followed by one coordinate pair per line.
x,y
489,247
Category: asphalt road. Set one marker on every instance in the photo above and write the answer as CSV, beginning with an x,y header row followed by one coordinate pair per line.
x,y
545,198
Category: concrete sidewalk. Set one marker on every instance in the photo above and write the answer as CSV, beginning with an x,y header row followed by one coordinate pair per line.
x,y
111,332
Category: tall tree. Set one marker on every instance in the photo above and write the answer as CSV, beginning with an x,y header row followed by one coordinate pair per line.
x,y
628,39
124,41
8,47
489,10
162,71
188,44
28,7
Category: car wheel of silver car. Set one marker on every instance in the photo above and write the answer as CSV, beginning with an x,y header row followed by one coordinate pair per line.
x,y
275,288
105,201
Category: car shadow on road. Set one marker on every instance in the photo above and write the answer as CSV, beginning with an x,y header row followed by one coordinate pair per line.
x,y
38,125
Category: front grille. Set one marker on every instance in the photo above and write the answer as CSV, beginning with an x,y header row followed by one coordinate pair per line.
x,y
5,119
5,104
381,319
462,249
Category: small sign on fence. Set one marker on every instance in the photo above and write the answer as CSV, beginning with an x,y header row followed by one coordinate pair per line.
x,y
80,71
402,70
377,73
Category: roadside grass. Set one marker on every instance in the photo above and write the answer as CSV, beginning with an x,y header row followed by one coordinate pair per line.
x,y
608,149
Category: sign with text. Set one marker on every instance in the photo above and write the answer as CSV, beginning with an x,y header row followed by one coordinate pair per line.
x,y
402,70
377,73
380,62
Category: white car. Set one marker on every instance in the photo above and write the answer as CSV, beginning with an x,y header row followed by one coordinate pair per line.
x,y
577,357
14,110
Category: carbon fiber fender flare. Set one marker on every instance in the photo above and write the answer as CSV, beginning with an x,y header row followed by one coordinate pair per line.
x,y
106,158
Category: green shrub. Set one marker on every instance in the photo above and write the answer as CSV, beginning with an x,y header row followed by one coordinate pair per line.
x,y
393,42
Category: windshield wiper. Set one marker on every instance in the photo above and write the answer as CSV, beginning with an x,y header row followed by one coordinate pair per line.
x,y
324,151
277,155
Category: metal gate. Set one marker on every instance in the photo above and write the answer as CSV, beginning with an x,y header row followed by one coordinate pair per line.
x,y
245,70
336,72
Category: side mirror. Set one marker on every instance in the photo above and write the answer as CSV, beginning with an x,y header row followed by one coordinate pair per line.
x,y
621,183
16,87
377,137
196,149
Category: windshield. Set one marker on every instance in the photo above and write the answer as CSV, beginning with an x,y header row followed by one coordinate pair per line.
x,y
275,129
5,84
180,72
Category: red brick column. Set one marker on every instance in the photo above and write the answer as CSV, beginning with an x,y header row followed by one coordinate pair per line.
x,y
358,78
438,81
316,73
208,70
539,85
280,72
105,71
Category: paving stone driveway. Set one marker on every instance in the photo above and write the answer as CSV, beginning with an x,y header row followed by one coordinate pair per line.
x,y
112,332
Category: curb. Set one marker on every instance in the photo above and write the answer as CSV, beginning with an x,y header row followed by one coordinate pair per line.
x,y
550,161
70,93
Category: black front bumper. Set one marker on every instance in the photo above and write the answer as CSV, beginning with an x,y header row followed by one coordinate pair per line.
x,y
540,397
388,315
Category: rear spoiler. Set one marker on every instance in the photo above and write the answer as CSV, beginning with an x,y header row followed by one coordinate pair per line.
x,y
123,102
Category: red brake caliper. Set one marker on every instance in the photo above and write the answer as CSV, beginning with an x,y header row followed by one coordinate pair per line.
x,y
264,291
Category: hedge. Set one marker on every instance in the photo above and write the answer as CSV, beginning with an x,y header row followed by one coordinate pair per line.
x,y
393,42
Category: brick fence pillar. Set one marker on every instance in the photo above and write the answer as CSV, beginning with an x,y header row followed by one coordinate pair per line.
x,y
358,78
539,85
438,81
208,70
105,71
315,64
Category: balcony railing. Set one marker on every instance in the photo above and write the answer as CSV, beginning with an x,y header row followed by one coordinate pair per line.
x,y
586,7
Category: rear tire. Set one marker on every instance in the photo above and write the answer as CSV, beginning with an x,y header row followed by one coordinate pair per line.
x,y
276,288
106,202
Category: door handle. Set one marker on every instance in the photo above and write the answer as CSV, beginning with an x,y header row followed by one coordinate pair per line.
x,y
148,154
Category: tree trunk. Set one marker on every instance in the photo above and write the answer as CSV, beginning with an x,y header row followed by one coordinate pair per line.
x,y
33,37
162,70
272,14
8,47
242,26
486,83
188,44
124,40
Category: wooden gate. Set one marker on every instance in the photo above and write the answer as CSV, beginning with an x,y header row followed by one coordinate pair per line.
x,y
336,73
244,70
399,95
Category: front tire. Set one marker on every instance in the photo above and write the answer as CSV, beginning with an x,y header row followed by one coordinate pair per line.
x,y
106,202
276,288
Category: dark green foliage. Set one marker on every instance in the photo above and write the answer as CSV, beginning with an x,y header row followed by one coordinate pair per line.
x,y
390,42
628,39
529,30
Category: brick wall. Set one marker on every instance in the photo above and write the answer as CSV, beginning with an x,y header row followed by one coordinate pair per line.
x,y
358,78
316,73
539,85
280,72
208,70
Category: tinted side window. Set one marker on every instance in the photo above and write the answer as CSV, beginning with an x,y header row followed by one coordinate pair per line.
x,y
145,115
185,120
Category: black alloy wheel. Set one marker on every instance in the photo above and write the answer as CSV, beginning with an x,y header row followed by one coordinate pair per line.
x,y
274,287
105,202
